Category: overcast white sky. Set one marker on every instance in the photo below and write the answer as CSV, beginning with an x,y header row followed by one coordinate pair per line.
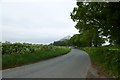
x,y
37,21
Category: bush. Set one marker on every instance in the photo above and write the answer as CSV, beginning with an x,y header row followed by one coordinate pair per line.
x,y
106,58
19,54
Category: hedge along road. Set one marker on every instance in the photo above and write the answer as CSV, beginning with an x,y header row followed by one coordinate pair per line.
x,y
72,65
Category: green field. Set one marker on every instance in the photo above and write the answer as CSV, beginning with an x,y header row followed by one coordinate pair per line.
x,y
19,54
105,58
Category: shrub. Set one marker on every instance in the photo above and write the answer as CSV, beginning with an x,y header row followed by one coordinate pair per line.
x,y
106,58
19,54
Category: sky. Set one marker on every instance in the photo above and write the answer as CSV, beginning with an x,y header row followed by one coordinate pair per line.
x,y
36,21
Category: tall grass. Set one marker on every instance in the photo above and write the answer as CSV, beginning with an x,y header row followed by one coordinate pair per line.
x,y
19,54
107,59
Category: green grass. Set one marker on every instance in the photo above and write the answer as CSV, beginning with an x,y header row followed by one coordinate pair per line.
x,y
27,56
108,59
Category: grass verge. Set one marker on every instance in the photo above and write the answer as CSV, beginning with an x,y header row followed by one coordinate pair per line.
x,y
26,57
105,58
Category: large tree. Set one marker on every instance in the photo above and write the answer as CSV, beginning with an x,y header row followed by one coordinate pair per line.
x,y
100,18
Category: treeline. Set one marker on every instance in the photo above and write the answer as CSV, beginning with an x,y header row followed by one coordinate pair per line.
x,y
78,40
65,42
97,22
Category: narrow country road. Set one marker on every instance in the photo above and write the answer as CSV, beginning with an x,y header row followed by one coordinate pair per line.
x,y
72,65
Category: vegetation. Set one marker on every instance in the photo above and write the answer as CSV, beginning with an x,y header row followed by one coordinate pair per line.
x,y
97,23
61,43
106,58
19,54
80,40
0,56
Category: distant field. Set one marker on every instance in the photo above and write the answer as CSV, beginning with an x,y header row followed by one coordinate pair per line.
x,y
106,58
19,54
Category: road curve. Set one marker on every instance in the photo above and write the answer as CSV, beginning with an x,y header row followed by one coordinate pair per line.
x,y
72,65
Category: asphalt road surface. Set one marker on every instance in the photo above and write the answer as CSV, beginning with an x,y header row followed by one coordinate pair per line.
x,y
72,65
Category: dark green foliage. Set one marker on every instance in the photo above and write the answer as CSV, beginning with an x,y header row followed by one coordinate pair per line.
x,y
19,54
86,40
106,58
102,19
61,43
98,22
76,40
